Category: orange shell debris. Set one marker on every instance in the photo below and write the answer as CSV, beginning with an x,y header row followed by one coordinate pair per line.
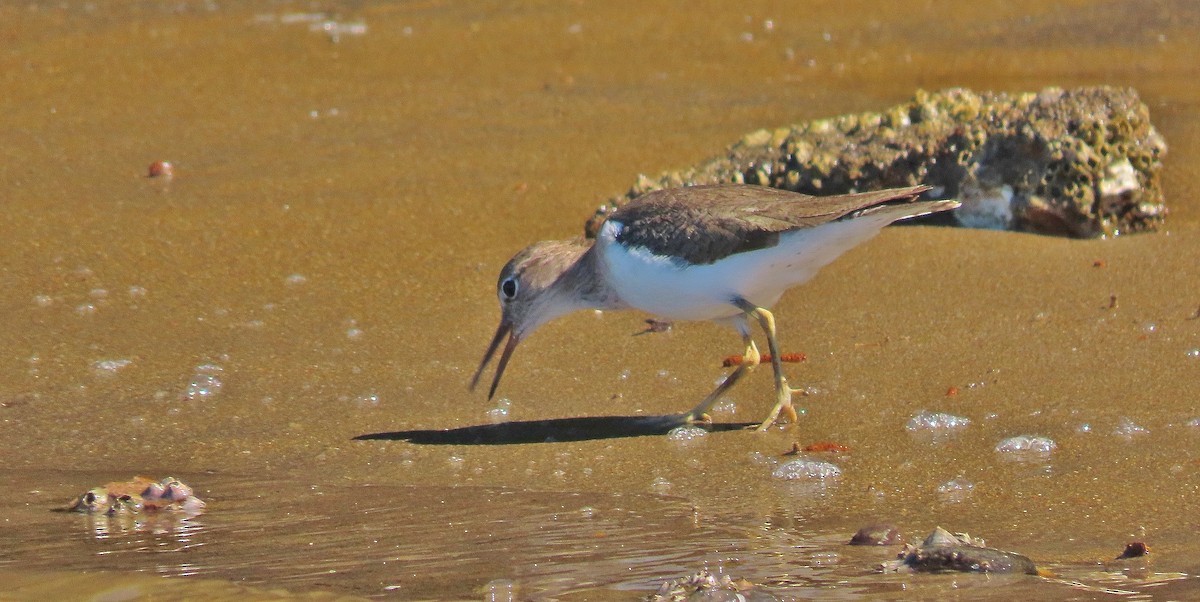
x,y
791,358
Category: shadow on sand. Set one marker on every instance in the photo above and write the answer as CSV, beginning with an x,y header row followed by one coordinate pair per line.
x,y
548,431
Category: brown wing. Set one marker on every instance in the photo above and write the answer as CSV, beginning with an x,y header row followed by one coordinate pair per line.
x,y
701,224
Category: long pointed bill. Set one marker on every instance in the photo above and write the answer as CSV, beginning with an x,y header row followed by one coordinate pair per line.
x,y
505,328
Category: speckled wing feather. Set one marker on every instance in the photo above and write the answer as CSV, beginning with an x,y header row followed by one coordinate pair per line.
x,y
702,224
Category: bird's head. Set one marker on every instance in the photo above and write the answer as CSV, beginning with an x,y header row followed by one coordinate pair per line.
x,y
534,287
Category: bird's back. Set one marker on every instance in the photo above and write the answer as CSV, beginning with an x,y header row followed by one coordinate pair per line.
x,y
702,224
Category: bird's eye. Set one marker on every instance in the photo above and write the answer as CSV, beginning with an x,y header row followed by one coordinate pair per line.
x,y
508,288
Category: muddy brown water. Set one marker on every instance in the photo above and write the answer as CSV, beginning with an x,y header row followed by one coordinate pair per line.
x,y
322,266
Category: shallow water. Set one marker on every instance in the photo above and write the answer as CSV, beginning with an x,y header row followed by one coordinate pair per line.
x,y
322,267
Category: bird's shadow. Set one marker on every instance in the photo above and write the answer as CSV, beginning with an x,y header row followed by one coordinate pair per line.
x,y
548,431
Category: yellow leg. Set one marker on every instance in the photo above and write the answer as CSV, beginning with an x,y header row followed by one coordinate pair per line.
x,y
750,359
783,393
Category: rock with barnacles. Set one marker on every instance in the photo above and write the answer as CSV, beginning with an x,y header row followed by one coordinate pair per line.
x,y
878,534
137,496
945,551
706,587
1084,162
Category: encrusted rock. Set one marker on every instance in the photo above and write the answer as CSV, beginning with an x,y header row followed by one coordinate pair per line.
x,y
945,551
1084,162
706,587
137,496
879,534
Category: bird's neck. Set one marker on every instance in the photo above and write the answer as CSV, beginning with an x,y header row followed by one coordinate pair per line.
x,y
586,278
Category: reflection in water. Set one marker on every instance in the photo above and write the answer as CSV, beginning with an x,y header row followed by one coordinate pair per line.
x,y
413,542
180,529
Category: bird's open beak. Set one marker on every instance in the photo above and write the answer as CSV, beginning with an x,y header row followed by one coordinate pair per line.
x,y
505,328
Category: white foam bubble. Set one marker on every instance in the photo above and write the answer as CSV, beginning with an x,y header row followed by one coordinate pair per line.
x,y
109,367
686,434
205,383
1027,443
1127,428
807,469
936,421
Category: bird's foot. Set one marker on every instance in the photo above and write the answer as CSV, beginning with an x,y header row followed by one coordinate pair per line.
x,y
751,357
784,411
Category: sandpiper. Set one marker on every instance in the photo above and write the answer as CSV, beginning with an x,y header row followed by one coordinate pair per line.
x,y
723,252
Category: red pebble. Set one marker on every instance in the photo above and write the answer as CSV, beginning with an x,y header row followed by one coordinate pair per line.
x,y
161,169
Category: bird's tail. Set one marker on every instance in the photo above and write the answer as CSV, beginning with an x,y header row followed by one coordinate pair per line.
x,y
894,212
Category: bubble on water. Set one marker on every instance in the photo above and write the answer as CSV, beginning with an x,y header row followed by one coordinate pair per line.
x,y
807,469
500,412
109,367
955,490
1195,423
500,590
1195,352
625,374
456,462
205,383
295,280
660,485
936,421
1149,328
686,434
1083,428
724,405
43,300
757,457
137,292
336,29
1128,429
367,401
352,329
98,293
1027,444
663,373
85,309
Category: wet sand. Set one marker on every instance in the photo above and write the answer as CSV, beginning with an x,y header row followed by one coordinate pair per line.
x,y
322,266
